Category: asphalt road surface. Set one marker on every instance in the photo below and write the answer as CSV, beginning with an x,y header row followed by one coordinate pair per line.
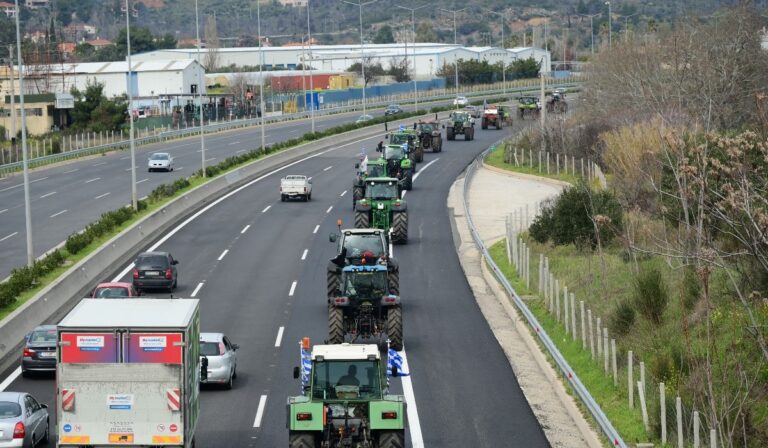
x,y
258,266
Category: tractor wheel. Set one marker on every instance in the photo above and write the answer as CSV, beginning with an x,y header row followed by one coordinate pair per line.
x,y
400,227
408,181
499,124
302,440
335,325
334,279
449,134
469,134
436,144
392,439
362,220
394,282
420,155
357,194
395,327
484,124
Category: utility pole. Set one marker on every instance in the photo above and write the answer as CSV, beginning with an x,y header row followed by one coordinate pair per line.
x,y
311,80
503,16
360,5
261,74
610,25
13,100
413,32
134,194
455,42
25,163
200,87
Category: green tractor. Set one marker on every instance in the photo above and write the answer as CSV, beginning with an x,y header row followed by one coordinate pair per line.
x,y
408,139
460,122
528,106
370,168
382,208
429,136
345,400
399,165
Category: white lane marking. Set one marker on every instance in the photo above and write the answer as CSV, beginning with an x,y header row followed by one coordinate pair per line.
x,y
57,214
343,193
100,163
223,254
212,158
21,185
279,338
304,255
240,150
293,289
197,289
92,180
103,195
3,211
415,176
260,411
245,229
417,440
71,171
38,180
327,168
266,208
128,169
142,180
5,238
125,158
11,378
47,194
178,228
329,209
234,143
179,168
317,227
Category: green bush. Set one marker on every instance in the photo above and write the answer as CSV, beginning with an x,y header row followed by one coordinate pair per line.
x,y
76,242
651,295
570,218
691,288
622,318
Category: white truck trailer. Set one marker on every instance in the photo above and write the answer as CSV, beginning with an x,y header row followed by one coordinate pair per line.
x,y
128,373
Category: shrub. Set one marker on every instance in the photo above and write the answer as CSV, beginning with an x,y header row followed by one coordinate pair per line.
x,y
622,318
76,242
651,295
691,288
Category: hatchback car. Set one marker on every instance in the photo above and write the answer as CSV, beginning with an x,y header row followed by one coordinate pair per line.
x,y
160,161
460,101
363,118
39,351
116,290
392,109
222,359
23,421
155,270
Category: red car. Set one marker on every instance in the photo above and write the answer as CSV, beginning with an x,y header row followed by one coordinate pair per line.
x,y
118,290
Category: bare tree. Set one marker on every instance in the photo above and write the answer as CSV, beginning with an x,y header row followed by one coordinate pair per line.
x,y
212,58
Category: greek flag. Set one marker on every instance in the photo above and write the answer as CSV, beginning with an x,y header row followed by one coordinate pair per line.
x,y
306,368
402,127
395,360
405,146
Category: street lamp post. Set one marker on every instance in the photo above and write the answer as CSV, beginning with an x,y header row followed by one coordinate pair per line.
x,y
200,89
626,25
455,42
311,80
413,31
25,164
360,5
503,16
591,29
610,25
134,195
261,75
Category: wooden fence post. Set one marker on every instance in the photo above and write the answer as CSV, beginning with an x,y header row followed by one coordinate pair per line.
x,y
583,330
557,300
567,315
696,430
573,316
606,350
598,333
613,363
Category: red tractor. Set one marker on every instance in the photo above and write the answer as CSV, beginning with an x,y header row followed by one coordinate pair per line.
x,y
491,117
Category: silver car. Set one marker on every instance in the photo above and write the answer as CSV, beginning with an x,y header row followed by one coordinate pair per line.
x,y
23,421
160,161
220,354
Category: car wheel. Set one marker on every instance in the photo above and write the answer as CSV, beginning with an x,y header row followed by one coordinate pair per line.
x,y
228,386
47,435
234,372
149,170
24,373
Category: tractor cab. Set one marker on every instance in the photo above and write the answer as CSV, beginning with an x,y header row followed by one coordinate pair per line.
x,y
382,189
364,282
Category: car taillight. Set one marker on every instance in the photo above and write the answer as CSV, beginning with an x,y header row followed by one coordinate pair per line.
x,y
28,353
168,273
305,189
135,273
304,416
222,349
19,431
389,415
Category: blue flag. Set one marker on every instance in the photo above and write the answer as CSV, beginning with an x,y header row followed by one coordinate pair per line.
x,y
306,368
402,127
395,360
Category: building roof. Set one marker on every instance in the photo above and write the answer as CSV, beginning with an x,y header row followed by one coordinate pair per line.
x,y
135,313
345,351
93,68
99,42
7,5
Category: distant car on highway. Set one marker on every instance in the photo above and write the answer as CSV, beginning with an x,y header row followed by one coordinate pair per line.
x,y
155,270
160,161
221,356
39,352
24,422
392,109
363,118
474,111
116,290
295,186
460,101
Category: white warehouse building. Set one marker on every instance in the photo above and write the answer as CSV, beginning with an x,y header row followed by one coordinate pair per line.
x,y
429,57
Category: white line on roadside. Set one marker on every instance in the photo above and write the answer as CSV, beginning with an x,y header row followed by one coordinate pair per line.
x,y
179,168
245,229
260,411
304,255
100,163
142,180
103,195
415,176
11,378
223,254
92,180
329,209
71,171
234,143
197,289
125,158
47,194
279,338
5,238
266,208
317,227
212,158
343,193
57,214
21,185
327,168
3,211
293,289
414,427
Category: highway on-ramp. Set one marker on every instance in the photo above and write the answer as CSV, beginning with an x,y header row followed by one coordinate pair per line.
x,y
258,267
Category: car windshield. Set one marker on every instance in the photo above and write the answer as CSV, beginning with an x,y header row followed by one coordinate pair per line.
x,y
398,139
9,409
527,100
346,380
365,284
376,171
394,152
210,349
42,336
426,127
111,293
381,191
357,244
159,156
155,261
459,116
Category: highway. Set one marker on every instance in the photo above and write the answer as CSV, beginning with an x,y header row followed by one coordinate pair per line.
x,y
258,266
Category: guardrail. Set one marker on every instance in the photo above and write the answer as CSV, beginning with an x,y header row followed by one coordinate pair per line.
x,y
586,398
243,123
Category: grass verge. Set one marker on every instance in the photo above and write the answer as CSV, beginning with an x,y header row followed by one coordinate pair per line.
x,y
496,159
